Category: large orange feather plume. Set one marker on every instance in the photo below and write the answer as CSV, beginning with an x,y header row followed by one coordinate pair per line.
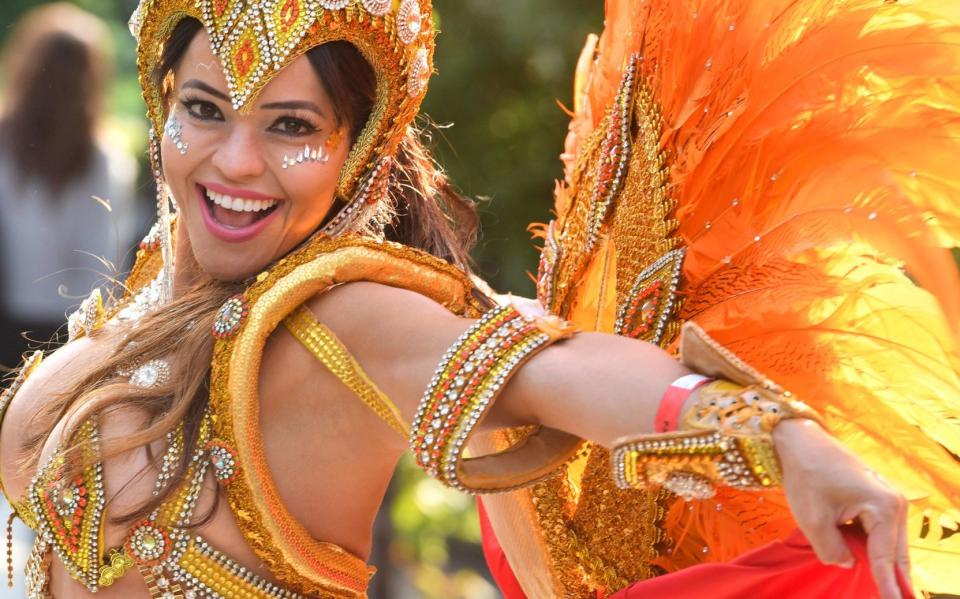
x,y
809,154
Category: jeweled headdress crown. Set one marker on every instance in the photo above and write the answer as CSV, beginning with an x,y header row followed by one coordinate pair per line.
x,y
254,39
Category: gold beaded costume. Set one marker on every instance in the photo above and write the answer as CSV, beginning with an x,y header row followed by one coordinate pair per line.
x,y
68,515
720,178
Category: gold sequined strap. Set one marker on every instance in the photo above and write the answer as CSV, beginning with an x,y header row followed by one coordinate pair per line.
x,y
331,352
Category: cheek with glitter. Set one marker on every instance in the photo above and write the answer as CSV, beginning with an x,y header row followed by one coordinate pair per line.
x,y
333,141
174,130
307,155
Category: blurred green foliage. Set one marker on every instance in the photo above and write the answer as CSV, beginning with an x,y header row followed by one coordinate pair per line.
x,y
501,68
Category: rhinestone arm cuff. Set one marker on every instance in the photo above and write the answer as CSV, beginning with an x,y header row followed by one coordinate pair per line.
x,y
724,438
467,382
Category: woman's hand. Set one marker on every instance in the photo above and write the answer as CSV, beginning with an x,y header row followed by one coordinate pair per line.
x,y
826,487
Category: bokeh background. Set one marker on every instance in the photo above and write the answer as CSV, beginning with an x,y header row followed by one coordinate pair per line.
x,y
502,70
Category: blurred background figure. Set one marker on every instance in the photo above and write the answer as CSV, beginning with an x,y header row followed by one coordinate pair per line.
x,y
56,240
66,196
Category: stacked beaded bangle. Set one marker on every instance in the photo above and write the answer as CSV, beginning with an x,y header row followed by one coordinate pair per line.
x,y
470,375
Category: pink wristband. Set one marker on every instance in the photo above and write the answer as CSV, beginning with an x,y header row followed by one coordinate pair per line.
x,y
668,414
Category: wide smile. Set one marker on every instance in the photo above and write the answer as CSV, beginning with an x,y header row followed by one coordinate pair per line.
x,y
235,215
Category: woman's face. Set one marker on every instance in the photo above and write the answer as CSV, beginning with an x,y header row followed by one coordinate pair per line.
x,y
241,208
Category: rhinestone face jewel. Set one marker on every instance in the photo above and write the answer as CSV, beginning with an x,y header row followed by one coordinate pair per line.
x,y
174,130
229,317
409,21
307,155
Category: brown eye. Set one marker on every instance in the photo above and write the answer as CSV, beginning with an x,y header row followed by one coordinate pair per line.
x,y
293,127
203,111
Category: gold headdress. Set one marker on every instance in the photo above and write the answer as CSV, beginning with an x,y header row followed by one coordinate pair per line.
x,y
255,39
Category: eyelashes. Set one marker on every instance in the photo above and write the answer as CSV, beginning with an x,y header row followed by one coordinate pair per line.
x,y
288,125
282,126
201,110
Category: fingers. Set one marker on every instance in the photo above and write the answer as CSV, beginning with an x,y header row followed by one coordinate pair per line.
x,y
881,521
903,546
827,542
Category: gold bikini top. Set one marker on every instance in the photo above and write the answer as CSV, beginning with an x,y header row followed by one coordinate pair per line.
x,y
68,514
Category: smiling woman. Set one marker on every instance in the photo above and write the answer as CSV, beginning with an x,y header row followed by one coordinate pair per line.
x,y
309,117
277,346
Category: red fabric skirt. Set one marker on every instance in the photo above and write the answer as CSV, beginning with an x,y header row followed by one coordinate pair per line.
x,y
786,569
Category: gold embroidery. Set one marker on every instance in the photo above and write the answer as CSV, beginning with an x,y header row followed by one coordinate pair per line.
x,y
323,344
118,566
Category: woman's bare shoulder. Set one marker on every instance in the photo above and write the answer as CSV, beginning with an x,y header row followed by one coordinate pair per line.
x,y
374,312
54,376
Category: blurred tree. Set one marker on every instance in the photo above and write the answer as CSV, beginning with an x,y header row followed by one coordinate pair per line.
x,y
501,68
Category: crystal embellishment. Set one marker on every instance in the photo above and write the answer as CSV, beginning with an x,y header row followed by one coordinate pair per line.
x,y
409,21
86,318
229,318
147,543
223,460
419,74
651,301
152,374
377,8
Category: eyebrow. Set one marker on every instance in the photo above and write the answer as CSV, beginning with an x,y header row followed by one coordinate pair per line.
x,y
294,105
288,105
197,84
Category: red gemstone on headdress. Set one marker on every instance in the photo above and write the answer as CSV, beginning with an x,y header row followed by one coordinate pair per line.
x,y
220,6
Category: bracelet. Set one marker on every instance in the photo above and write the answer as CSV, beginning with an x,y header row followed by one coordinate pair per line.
x,y
724,440
470,376
668,413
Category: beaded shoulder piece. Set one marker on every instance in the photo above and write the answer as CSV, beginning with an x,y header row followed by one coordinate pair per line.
x,y
68,512
242,327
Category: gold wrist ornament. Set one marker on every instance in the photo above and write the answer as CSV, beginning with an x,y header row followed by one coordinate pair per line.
x,y
724,438
470,377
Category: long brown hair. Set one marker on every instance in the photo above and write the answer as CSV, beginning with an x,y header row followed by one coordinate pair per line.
x,y
56,67
422,210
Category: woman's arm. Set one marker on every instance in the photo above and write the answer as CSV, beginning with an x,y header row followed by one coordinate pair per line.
x,y
601,387
596,386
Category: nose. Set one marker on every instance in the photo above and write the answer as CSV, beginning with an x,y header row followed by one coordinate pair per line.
x,y
240,157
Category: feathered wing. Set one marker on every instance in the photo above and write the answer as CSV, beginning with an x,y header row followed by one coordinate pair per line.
x,y
792,165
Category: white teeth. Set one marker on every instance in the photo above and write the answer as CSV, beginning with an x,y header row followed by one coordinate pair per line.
x,y
239,204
